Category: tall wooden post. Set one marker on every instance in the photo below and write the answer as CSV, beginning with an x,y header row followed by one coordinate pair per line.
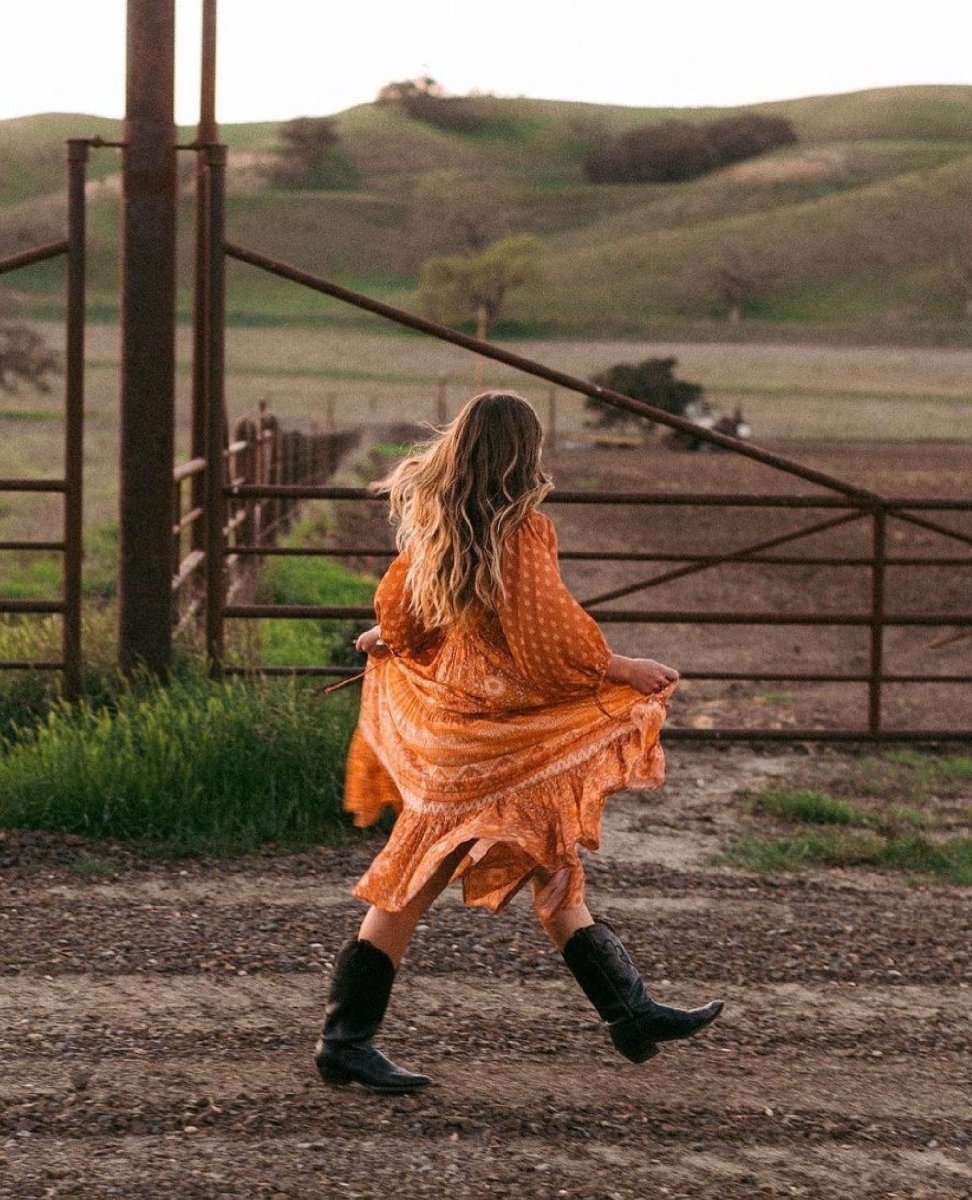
x,y
148,339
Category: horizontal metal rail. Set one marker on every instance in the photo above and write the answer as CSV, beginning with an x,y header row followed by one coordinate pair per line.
x,y
27,665
635,556
54,486
661,616
49,547
927,737
32,606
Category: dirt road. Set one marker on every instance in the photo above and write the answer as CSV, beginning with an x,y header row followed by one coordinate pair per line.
x,y
156,1026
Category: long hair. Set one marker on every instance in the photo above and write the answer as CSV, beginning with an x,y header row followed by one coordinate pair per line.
x,y
458,498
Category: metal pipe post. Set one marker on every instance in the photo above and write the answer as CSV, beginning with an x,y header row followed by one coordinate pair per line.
x,y
77,158
148,340
206,133
215,498
876,667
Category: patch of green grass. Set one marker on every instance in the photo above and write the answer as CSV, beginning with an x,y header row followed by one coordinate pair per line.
x,y
909,777
26,696
879,812
804,804
806,848
948,861
196,765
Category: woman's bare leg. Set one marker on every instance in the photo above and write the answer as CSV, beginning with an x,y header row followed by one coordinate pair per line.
x,y
565,920
392,931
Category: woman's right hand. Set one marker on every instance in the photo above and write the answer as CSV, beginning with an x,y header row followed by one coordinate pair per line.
x,y
643,674
370,642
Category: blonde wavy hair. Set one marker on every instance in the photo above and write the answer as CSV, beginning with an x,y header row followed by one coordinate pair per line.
x,y
458,498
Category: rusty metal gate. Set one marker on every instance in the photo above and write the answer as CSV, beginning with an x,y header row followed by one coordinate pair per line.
x,y
838,504
222,508
69,545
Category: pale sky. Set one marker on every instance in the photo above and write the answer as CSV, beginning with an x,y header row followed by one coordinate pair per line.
x,y
284,58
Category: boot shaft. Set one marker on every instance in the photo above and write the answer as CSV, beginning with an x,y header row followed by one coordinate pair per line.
x,y
360,989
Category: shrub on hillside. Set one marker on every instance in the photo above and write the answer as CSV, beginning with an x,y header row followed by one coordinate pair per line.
x,y
674,151
425,100
652,381
747,135
308,155
25,356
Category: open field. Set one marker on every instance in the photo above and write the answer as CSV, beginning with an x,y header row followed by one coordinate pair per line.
x,y
789,393
158,1023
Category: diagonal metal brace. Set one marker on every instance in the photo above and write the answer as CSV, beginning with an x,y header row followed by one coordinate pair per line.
x,y
717,560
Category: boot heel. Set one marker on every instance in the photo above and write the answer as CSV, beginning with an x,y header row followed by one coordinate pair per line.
x,y
331,1072
334,1074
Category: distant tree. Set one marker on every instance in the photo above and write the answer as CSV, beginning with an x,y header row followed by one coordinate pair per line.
x,y
652,381
747,135
674,151
425,100
737,277
306,156
405,91
25,356
668,152
459,288
455,212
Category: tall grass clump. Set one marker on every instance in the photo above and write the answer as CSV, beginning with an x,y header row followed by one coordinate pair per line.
x,y
26,697
187,767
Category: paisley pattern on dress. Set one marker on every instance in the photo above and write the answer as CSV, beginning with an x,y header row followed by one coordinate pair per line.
x,y
502,734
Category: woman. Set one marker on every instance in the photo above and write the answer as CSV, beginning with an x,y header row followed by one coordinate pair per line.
x,y
494,720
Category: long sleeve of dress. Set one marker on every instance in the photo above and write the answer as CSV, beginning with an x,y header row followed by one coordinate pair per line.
x,y
554,643
400,628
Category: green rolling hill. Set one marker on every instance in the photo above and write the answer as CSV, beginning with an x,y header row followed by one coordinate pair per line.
x,y
863,224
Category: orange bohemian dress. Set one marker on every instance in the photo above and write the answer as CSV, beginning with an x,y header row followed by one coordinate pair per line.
x,y
503,734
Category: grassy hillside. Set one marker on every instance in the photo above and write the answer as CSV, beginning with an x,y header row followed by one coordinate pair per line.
x,y
859,218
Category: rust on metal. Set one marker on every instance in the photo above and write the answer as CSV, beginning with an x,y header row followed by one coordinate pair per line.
x,y
214,496
78,154
148,340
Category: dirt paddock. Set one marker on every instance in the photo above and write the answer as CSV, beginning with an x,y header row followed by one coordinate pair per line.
x,y
157,1025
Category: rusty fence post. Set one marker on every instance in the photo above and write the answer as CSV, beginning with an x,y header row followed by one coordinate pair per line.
x,y
207,132
215,417
876,666
77,156
148,305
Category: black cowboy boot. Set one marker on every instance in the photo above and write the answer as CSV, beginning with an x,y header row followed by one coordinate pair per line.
x,y
601,965
360,989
